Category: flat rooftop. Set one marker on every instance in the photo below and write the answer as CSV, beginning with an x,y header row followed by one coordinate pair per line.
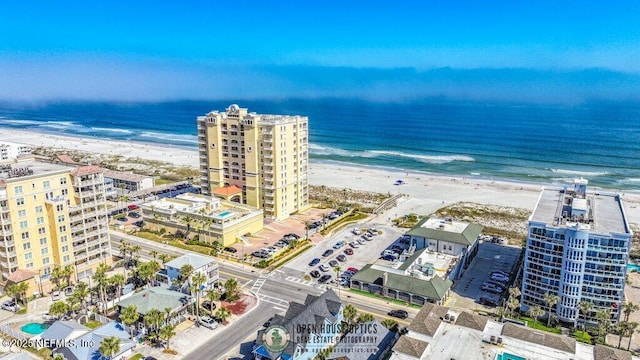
x,y
422,262
606,208
29,167
126,176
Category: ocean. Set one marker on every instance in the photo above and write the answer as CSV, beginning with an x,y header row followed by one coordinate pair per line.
x,y
524,142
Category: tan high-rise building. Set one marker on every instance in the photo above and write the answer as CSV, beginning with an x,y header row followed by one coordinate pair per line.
x,y
260,160
51,215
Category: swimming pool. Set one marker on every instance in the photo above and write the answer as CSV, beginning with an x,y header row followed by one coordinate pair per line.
x,y
633,267
507,356
34,328
224,214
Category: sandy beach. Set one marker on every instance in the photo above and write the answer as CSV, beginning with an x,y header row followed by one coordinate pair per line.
x,y
427,192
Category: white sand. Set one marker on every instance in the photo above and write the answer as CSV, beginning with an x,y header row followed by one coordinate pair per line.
x,y
427,193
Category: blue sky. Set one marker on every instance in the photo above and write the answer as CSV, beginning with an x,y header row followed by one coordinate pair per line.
x,y
155,50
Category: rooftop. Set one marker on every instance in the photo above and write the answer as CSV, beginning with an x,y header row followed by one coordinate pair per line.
x,y
155,298
434,288
195,260
448,230
86,347
61,330
126,176
29,167
21,275
424,264
227,190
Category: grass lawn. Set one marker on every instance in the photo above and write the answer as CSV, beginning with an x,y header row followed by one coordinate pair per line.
x,y
353,217
136,357
162,181
93,324
582,336
399,302
540,325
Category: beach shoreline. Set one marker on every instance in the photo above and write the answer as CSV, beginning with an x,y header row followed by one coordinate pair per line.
x,y
428,191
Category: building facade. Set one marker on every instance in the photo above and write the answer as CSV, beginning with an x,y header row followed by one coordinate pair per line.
x,y
578,249
52,215
200,264
11,151
266,156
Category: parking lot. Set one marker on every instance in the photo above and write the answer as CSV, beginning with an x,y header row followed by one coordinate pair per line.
x,y
365,253
467,291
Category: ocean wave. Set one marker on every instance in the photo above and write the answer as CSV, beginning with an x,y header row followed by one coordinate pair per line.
x,y
21,122
191,139
579,173
116,130
57,124
429,159
329,150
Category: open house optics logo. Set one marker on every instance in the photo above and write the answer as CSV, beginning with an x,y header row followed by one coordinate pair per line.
x,y
276,338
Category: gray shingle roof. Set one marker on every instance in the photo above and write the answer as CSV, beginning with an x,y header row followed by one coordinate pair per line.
x,y
195,260
607,353
86,347
435,288
467,237
61,330
471,321
428,319
361,344
558,342
410,346
16,356
155,298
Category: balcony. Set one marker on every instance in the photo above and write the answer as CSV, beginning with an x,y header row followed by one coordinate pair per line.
x,y
7,243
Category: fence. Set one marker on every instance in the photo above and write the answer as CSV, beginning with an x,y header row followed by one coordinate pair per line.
x,y
13,333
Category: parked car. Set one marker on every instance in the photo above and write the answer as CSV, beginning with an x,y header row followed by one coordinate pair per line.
x,y
134,215
208,322
388,257
388,252
55,296
400,314
324,278
323,268
341,258
489,300
356,232
359,241
138,223
334,263
133,207
231,249
348,251
315,274
338,245
353,244
208,305
281,244
367,238
327,253
314,262
499,277
492,289
10,305
352,270
501,273
123,219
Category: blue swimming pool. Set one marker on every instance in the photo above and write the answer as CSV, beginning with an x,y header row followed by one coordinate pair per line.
x,y
633,267
34,328
507,356
224,214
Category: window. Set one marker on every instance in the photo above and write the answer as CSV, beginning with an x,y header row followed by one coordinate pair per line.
x,y
29,265
63,181
24,224
60,218
42,230
46,184
65,248
44,251
45,261
25,235
39,209
43,241
20,201
40,220
22,213
18,189
65,192
63,228
26,246
65,258
59,207
28,256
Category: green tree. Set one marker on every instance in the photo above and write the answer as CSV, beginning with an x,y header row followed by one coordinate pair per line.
x,y
109,347
231,292
213,296
56,276
604,322
631,329
512,305
153,254
80,293
118,280
167,332
58,309
147,271
349,314
187,219
216,248
67,272
58,357
551,300
100,278
365,317
198,280
390,324
164,258
585,308
628,308
185,274
223,314
129,316
73,304
535,312
153,319
621,330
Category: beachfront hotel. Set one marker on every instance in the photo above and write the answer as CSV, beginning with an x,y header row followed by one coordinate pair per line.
x,y
51,215
255,159
577,248
211,218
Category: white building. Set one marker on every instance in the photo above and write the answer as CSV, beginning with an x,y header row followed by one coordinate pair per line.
x,y
11,151
200,264
577,248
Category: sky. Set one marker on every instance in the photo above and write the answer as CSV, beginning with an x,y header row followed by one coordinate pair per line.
x,y
161,50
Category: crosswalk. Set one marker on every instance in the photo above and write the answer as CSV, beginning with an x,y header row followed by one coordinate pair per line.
x,y
258,284
282,304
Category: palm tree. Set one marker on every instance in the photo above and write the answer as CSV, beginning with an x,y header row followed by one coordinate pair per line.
x,y
100,277
631,329
164,258
134,250
58,357
198,280
231,289
185,274
167,332
58,309
67,271
621,329
147,271
349,314
628,308
585,308
512,304
212,295
153,319
73,304
167,313
19,291
216,248
535,312
604,322
223,314
56,276
80,293
187,220
390,324
551,300
118,281
109,347
153,254
365,317
514,292
129,316
337,270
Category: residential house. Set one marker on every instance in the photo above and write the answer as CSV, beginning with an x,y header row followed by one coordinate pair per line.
x,y
158,298
86,347
201,265
61,332
366,341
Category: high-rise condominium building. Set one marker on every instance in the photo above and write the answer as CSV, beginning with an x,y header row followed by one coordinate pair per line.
x,y
577,248
260,160
52,215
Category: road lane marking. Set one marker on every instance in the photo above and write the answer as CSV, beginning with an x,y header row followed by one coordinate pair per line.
x,y
274,301
234,275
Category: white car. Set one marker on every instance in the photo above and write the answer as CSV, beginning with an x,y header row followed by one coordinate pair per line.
x,y
10,305
208,322
323,268
55,296
500,278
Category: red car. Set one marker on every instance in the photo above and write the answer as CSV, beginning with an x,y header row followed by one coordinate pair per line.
x,y
132,207
348,251
352,270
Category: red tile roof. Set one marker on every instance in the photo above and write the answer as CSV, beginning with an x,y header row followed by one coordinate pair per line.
x,y
86,170
20,275
227,190
66,159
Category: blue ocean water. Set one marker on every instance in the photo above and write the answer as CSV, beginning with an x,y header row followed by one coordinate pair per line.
x,y
531,142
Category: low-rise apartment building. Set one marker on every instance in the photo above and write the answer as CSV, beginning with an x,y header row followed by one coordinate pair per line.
x,y
199,263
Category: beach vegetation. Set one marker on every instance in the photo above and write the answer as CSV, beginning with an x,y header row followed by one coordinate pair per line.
x,y
347,219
